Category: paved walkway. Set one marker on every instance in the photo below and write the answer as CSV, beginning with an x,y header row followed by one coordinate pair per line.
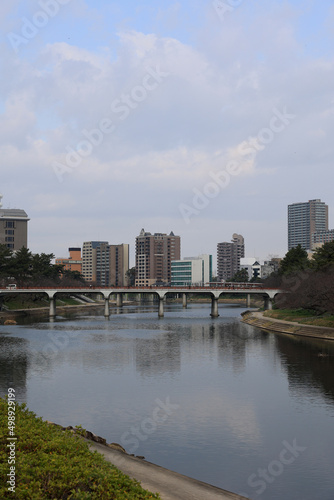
x,y
170,485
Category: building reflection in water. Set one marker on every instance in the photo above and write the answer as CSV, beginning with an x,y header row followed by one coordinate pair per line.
x,y
13,366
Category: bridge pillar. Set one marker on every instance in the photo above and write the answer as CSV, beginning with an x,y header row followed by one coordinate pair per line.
x,y
268,303
52,310
214,307
184,300
248,300
119,299
161,307
106,307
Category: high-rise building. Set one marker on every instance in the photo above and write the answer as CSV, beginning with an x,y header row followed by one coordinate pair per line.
x,y
228,257
305,219
13,228
89,259
191,271
104,264
118,264
154,253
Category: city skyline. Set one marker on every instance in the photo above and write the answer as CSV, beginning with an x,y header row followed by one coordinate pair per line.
x,y
167,116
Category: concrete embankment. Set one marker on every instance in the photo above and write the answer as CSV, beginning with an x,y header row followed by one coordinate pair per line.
x,y
289,327
170,485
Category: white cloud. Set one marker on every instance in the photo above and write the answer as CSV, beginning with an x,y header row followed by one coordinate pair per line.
x,y
216,95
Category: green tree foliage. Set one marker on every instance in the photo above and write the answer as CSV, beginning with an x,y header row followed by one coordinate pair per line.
x,y
240,276
309,283
323,257
22,264
295,260
5,260
34,269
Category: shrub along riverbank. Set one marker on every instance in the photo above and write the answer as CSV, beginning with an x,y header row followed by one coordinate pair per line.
x,y
50,463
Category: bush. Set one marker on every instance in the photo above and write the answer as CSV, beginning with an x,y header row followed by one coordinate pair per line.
x,y
54,464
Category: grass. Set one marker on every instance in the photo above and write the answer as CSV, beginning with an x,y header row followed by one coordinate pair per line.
x,y
54,464
25,303
302,316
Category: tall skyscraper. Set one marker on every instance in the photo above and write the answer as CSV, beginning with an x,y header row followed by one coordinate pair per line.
x,y
228,257
154,253
305,219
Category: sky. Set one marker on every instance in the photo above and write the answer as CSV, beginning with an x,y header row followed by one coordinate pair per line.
x,y
205,118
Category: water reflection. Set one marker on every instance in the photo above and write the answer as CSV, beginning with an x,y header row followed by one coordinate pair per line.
x,y
13,365
240,392
309,364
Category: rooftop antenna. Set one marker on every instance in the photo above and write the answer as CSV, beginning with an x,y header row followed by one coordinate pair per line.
x,y
1,196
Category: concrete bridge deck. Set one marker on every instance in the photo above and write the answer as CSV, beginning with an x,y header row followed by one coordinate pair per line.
x,y
268,294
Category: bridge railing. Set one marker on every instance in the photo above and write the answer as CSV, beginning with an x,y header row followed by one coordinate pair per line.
x,y
136,289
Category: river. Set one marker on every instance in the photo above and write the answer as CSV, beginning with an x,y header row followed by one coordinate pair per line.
x,y
215,399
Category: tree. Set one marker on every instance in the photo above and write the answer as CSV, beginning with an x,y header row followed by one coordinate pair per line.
x,y
22,264
5,261
70,278
323,257
43,268
240,276
296,259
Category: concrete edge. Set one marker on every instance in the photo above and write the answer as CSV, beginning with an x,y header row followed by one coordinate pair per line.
x,y
169,484
257,319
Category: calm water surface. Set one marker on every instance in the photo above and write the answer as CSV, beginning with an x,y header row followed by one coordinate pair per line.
x,y
226,403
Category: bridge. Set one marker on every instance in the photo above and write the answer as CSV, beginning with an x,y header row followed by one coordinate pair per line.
x,y
215,291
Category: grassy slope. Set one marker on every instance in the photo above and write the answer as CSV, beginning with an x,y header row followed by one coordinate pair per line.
x,y
55,464
302,316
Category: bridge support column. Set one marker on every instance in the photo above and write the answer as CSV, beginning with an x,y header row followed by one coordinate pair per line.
x,y
184,300
248,300
106,307
268,303
119,300
52,310
161,307
214,307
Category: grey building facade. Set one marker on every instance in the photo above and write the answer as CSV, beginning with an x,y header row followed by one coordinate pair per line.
x,y
305,219
14,228
228,257
154,254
